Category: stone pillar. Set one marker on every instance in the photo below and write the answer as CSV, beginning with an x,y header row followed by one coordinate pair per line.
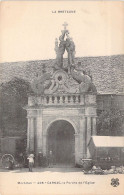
x,y
82,137
88,133
77,141
39,134
94,125
28,135
30,139
45,144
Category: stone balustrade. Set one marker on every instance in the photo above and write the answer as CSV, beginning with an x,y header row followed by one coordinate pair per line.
x,y
62,99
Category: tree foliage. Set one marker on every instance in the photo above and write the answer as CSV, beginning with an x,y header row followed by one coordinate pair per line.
x,y
14,96
111,122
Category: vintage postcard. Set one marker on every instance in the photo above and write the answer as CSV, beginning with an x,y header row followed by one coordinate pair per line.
x,y
61,98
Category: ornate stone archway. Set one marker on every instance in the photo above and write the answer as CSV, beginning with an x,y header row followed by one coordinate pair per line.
x,y
61,141
62,93
82,116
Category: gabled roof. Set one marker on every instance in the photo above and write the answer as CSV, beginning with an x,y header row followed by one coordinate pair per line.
x,y
108,141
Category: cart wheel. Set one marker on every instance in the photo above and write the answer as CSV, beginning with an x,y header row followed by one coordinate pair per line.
x,y
5,160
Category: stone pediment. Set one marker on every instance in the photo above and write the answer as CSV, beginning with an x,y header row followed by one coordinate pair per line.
x,y
62,83
58,82
72,80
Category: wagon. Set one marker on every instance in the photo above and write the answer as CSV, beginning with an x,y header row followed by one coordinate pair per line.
x,y
11,157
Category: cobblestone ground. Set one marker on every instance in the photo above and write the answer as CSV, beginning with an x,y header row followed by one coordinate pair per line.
x,y
37,169
57,181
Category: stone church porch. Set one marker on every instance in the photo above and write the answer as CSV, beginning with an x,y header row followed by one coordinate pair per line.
x,y
65,128
62,110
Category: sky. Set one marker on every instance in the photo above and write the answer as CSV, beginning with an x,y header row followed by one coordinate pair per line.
x,y
28,28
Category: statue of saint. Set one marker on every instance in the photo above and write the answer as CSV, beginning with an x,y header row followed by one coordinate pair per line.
x,y
60,50
70,47
67,44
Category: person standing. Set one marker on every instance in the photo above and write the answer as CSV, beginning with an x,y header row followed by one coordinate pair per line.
x,y
31,162
40,159
50,159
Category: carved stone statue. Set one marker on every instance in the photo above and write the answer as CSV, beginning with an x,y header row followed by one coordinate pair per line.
x,y
85,81
70,47
67,44
60,51
41,83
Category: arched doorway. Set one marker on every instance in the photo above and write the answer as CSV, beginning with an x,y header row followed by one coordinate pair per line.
x,y
61,141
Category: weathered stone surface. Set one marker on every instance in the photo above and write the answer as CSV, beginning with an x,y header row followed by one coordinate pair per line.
x,y
81,117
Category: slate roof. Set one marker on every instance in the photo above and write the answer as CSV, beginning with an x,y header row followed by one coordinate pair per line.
x,y
107,71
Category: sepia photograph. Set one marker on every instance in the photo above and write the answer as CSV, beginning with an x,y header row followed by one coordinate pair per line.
x,y
61,98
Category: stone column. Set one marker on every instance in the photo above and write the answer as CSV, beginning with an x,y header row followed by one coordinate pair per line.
x,y
45,144
28,135
88,133
94,125
82,137
39,134
77,142
30,139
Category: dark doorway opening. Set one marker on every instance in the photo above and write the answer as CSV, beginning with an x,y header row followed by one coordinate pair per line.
x,y
62,143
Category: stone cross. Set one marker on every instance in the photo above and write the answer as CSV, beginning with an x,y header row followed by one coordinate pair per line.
x,y
65,25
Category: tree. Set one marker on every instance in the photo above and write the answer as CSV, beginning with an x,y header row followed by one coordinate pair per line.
x,y
14,96
111,122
